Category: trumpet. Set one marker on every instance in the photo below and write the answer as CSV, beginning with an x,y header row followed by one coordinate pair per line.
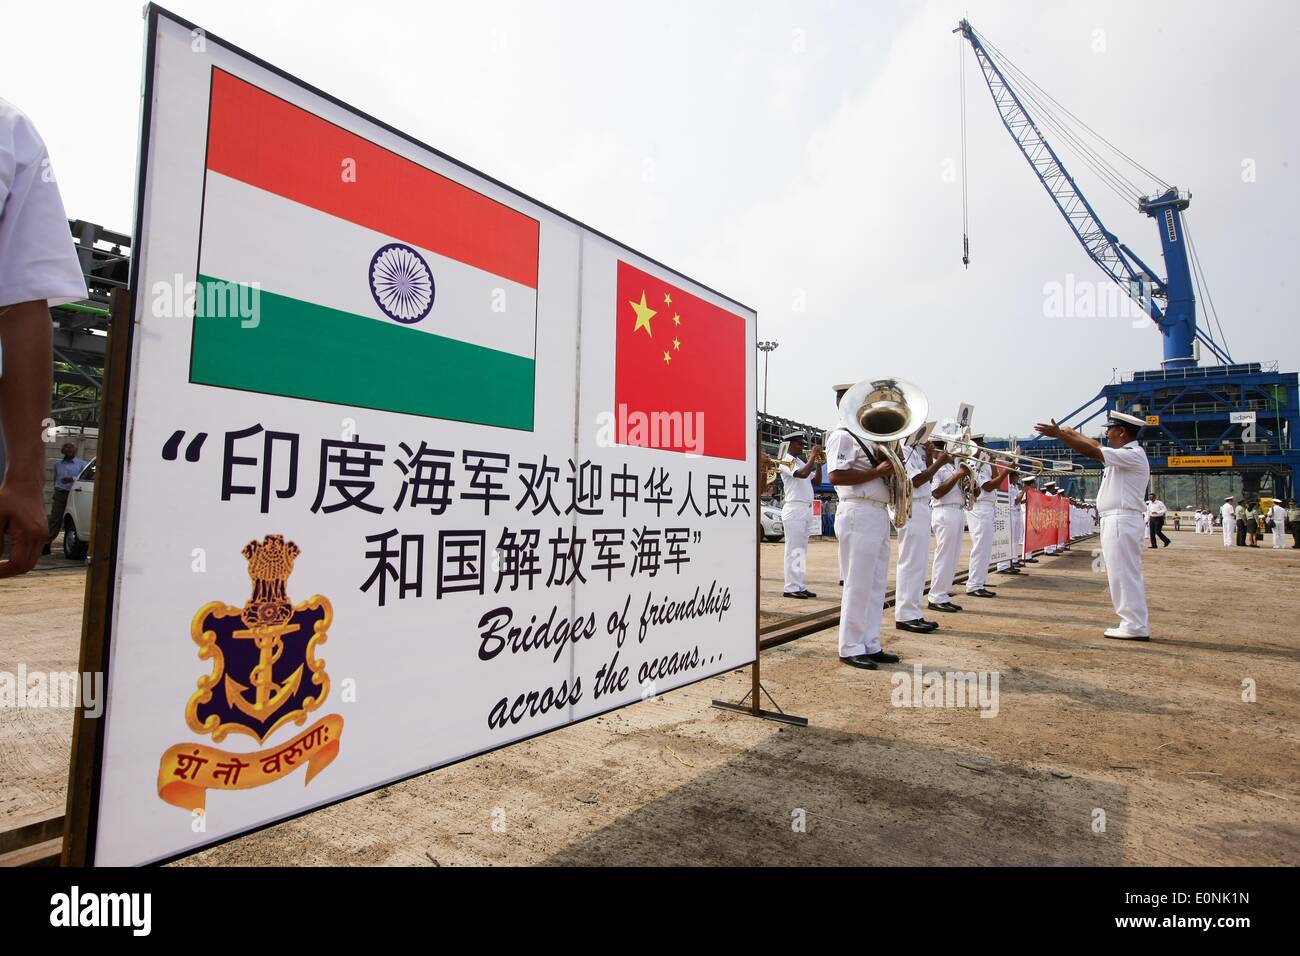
x,y
885,411
774,467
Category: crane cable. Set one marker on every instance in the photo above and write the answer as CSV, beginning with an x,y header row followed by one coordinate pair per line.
x,y
1203,285
1127,190
965,218
1010,66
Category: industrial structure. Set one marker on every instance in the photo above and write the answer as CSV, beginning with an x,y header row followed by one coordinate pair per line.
x,y
1227,419
81,328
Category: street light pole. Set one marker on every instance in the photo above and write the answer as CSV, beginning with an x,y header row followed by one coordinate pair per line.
x,y
766,348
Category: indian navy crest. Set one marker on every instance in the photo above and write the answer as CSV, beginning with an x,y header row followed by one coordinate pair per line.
x,y
265,675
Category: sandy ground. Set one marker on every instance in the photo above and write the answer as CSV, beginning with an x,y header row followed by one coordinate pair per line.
x,y
1101,752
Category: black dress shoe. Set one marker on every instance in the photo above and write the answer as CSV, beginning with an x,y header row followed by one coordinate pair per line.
x,y
859,660
801,595
808,594
947,607
883,657
933,624
982,592
1031,560
916,626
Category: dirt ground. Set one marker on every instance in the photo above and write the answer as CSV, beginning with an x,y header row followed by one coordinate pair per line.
x,y
1101,752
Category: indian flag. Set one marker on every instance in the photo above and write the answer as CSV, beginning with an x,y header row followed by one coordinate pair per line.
x,y
377,283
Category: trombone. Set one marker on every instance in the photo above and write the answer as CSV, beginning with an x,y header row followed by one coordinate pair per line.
x,y
958,444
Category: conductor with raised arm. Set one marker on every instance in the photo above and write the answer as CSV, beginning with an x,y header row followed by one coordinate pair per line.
x,y
1121,506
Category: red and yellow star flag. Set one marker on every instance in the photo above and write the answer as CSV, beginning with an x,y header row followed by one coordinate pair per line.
x,y
679,369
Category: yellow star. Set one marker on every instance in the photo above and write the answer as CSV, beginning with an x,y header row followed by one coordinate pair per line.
x,y
668,300
643,315
667,358
677,345
677,319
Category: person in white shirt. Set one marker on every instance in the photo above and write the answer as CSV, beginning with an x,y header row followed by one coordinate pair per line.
x,y
1229,515
1156,511
796,511
38,269
1278,514
914,539
859,472
980,521
1124,478
947,520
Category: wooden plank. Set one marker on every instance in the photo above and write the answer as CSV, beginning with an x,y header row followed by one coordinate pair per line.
x,y
87,732
35,831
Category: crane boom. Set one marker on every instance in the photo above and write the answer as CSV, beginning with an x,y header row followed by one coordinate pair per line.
x,y
1176,320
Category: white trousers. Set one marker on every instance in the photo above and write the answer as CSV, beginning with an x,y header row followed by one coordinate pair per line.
x,y
1017,534
1121,550
913,561
1279,532
863,533
980,522
797,518
947,523
1229,532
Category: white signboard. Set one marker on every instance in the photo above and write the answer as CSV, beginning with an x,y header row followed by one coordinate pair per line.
x,y
1001,554
416,467
1241,418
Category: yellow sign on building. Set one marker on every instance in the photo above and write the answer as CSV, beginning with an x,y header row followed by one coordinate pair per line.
x,y
1200,461
1153,419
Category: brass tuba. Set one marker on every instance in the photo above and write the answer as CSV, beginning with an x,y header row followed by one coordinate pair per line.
x,y
885,411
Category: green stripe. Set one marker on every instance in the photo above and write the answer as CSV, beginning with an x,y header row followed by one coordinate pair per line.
x,y
301,350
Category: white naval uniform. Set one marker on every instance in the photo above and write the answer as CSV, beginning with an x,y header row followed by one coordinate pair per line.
x,y
913,543
1229,517
797,518
1120,503
1279,525
948,521
980,522
862,527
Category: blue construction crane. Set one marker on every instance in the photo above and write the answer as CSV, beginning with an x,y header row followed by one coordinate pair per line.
x,y
1176,317
1196,415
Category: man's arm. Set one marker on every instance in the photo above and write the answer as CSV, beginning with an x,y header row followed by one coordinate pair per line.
x,y
26,333
998,474
857,476
1080,442
810,466
948,483
923,476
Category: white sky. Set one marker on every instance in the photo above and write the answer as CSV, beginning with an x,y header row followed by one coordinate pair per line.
x,y
783,153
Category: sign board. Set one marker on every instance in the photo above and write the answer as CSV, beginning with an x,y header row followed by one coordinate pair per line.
x,y
418,467
1153,419
1241,418
1200,461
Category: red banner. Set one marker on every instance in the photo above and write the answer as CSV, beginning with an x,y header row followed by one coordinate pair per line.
x,y
1047,520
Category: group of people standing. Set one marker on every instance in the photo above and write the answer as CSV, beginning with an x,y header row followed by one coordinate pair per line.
x,y
1245,524
950,495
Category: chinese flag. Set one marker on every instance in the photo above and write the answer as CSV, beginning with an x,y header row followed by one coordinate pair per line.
x,y
679,369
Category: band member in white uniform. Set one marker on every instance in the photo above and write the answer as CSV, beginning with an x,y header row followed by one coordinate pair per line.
x,y
1278,514
1124,478
858,473
1228,514
980,522
796,512
948,521
1015,492
921,463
